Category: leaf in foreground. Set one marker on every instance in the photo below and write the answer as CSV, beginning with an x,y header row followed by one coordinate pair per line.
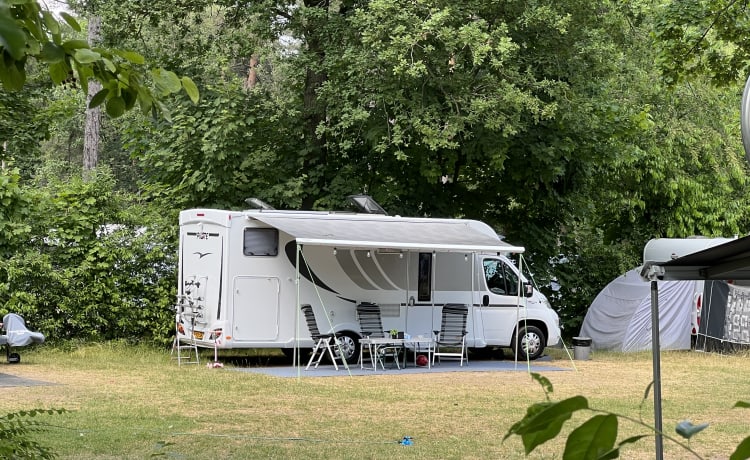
x,y
543,421
593,438
742,451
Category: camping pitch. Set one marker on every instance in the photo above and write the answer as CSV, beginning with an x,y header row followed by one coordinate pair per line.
x,y
619,318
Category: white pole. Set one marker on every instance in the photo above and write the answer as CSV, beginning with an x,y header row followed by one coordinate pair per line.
x,y
297,358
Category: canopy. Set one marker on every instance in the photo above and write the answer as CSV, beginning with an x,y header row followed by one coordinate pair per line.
x,y
728,261
387,232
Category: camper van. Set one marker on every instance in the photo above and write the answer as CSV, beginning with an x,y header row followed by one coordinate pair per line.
x,y
243,276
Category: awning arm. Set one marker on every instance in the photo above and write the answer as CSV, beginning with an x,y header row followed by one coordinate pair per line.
x,y
652,272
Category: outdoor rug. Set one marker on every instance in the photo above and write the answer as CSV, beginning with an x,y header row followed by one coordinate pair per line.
x,y
540,365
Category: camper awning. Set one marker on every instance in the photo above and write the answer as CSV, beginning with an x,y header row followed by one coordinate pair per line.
x,y
385,232
728,261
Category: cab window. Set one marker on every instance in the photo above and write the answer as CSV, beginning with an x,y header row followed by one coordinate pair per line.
x,y
501,279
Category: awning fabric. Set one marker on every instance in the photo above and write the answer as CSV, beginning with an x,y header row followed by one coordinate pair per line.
x,y
728,261
387,232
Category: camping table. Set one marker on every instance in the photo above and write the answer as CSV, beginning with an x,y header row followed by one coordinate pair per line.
x,y
373,344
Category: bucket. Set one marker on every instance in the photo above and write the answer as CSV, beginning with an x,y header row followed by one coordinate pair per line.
x,y
581,348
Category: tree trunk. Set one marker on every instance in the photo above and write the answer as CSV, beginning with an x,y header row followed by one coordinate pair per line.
x,y
92,128
252,74
314,113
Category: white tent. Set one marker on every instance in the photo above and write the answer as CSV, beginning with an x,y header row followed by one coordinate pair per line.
x,y
619,318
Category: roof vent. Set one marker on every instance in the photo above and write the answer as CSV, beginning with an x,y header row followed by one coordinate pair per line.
x,y
366,204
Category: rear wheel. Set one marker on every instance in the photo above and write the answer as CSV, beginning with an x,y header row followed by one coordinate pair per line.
x,y
349,346
531,343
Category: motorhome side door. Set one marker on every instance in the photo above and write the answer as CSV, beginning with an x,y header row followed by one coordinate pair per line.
x,y
256,308
255,296
500,314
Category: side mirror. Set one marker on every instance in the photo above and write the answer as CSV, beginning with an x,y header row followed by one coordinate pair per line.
x,y
528,289
485,300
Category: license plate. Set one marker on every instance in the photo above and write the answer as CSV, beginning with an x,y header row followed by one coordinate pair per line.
x,y
198,335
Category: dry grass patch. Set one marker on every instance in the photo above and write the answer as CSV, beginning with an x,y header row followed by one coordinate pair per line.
x,y
128,399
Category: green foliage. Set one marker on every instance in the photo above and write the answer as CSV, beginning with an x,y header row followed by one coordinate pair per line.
x,y
743,448
703,37
16,429
21,127
595,438
14,210
227,148
92,267
29,31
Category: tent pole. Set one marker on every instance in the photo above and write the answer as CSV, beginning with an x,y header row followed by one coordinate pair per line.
x,y
656,353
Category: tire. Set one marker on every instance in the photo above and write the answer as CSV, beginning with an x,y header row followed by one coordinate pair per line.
x,y
531,344
350,346
14,358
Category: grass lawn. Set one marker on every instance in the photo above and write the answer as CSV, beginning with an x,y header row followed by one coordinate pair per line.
x,y
135,402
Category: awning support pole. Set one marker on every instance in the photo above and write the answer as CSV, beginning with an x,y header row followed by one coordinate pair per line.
x,y
656,353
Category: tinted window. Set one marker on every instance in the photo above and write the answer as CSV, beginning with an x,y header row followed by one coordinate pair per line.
x,y
424,287
261,242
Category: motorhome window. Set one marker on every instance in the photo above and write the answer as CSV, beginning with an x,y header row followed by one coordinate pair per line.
x,y
501,279
261,242
424,283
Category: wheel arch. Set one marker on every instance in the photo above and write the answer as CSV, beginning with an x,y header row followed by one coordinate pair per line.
x,y
541,325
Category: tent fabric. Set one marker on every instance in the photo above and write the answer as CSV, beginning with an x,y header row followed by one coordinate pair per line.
x,y
386,232
725,318
619,318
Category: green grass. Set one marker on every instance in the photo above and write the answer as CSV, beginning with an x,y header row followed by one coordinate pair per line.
x,y
134,402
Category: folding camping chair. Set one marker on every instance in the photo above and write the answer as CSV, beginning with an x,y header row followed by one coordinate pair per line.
x,y
371,327
450,340
323,342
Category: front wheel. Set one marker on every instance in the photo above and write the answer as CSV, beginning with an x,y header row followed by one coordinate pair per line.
x,y
531,343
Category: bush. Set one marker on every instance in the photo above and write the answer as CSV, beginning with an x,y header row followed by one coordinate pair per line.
x,y
94,266
15,429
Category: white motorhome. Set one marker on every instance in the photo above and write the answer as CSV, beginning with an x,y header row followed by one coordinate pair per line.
x,y
244,274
